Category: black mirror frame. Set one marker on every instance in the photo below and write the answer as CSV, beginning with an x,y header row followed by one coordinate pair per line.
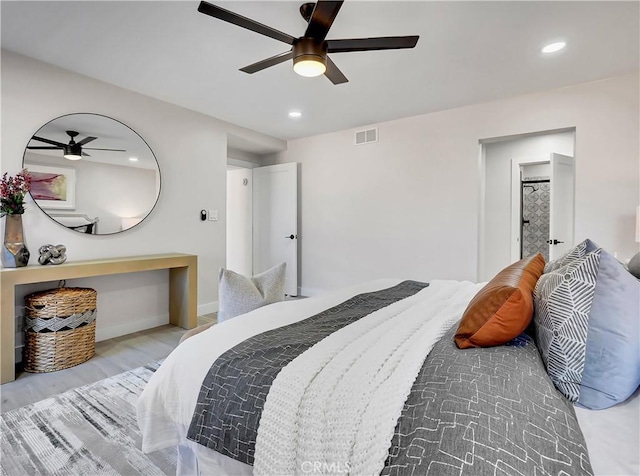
x,y
155,204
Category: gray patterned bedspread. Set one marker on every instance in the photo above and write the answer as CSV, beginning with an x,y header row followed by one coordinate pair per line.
x,y
233,393
471,412
491,411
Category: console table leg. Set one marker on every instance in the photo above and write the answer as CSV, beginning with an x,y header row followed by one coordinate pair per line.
x,y
183,296
7,333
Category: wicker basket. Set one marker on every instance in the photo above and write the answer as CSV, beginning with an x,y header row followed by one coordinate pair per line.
x,y
60,329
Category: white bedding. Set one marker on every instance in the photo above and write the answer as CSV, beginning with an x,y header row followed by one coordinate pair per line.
x,y
166,406
613,437
369,364
167,403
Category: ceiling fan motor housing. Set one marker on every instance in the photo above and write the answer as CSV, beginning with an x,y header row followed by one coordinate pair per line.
x,y
73,149
308,49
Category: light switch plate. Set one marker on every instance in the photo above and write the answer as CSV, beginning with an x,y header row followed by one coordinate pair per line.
x,y
213,215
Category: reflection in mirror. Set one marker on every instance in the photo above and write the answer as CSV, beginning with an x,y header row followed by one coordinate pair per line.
x,y
92,174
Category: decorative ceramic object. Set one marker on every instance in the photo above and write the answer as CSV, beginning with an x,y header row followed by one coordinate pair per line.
x,y
52,254
14,250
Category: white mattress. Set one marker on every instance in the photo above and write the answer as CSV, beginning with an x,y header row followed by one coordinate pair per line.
x,y
166,405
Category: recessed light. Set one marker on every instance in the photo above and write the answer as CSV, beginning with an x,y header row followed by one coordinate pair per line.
x,y
133,159
295,114
553,47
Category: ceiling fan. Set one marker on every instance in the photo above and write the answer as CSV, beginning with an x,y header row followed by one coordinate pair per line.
x,y
72,150
309,52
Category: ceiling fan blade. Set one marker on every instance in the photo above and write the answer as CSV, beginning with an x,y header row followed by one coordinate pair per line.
x,y
110,150
266,63
84,154
334,74
322,18
43,147
86,140
370,44
49,141
244,22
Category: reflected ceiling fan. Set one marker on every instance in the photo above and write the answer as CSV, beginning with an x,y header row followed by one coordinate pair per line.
x,y
309,52
73,150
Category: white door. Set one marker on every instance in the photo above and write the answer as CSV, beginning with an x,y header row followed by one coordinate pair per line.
x,y
275,221
561,205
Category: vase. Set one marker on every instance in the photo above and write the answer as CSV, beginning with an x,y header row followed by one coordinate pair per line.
x,y
14,250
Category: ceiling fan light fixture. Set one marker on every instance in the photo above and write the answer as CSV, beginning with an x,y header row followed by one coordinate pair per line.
x,y
309,57
72,157
309,66
73,152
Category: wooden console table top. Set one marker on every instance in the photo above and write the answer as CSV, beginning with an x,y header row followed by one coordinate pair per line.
x,y
183,290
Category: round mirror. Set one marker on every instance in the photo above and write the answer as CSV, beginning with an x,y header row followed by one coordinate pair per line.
x,y
92,174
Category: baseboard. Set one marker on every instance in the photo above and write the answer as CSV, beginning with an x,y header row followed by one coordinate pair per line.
x,y
130,327
207,308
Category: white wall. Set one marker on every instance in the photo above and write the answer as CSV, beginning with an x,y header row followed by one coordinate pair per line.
x,y
243,156
191,150
495,251
240,221
408,205
537,170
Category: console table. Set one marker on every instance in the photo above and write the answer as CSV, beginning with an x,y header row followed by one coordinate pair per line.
x,y
183,291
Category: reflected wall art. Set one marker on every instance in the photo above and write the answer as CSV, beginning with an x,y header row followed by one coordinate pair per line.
x,y
53,187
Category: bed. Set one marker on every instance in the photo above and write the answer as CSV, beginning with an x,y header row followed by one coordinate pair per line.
x,y
374,396
78,222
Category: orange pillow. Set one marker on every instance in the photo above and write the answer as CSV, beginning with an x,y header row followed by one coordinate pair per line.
x,y
503,309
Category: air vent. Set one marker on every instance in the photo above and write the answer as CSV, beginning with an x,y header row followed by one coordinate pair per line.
x,y
365,137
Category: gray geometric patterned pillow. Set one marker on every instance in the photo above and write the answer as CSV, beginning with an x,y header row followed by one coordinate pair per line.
x,y
573,254
563,299
239,294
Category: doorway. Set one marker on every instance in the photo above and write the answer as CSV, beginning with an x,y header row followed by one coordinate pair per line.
x,y
534,212
542,206
512,209
240,220
262,220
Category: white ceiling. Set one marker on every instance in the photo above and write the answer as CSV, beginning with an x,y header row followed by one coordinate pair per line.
x,y
468,52
109,133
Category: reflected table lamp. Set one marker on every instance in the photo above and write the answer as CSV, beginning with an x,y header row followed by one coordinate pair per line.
x,y
634,263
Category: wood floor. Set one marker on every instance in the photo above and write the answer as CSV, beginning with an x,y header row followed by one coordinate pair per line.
x,y
112,357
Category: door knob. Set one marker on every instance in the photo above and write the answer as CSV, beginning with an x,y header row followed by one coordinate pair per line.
x,y
290,237
554,242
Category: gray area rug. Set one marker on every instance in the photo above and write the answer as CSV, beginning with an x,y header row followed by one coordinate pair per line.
x,y
91,430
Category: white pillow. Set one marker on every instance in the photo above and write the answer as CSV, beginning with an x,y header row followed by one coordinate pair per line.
x,y
239,294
